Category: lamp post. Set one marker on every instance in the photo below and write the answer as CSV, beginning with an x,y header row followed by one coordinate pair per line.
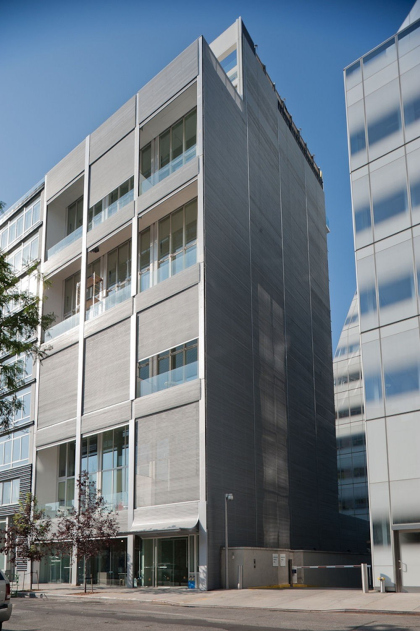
x,y
228,498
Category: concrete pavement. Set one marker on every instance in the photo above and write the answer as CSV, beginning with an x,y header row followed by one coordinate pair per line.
x,y
296,599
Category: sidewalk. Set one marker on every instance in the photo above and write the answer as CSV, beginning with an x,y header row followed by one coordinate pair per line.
x,y
297,599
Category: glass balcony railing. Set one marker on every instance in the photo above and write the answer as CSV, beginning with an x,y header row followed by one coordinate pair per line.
x,y
114,298
168,379
62,327
73,236
55,509
110,210
147,183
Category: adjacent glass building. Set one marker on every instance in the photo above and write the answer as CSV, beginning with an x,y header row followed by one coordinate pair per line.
x,y
383,117
349,419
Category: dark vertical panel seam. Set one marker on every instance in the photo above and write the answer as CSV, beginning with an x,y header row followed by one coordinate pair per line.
x,y
284,333
251,304
313,351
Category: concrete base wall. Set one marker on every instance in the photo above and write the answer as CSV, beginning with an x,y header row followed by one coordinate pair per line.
x,y
260,568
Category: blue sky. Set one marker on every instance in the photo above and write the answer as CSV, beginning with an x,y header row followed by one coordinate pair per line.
x,y
66,65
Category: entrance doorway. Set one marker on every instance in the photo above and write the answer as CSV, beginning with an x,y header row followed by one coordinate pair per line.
x,y
166,561
407,557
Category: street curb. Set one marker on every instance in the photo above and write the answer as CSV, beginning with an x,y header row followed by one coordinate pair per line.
x,y
97,598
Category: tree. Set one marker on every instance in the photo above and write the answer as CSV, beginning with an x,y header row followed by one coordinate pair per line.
x,y
19,320
29,533
86,530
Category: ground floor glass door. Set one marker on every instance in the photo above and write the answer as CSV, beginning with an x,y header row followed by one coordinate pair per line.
x,y
172,562
165,561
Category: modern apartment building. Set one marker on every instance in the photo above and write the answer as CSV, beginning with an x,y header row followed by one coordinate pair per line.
x,y
185,245
383,115
349,419
20,240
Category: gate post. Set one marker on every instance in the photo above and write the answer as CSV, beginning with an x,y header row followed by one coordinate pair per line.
x,y
365,581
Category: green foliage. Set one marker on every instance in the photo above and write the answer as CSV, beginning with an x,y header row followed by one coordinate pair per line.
x,y
85,531
20,318
29,533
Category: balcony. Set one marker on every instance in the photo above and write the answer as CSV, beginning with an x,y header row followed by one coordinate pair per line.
x,y
147,183
113,298
168,379
70,238
62,327
111,204
64,226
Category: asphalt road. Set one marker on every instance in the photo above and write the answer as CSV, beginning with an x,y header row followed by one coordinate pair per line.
x,y
59,615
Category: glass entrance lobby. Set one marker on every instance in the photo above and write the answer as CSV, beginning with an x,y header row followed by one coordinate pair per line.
x,y
166,561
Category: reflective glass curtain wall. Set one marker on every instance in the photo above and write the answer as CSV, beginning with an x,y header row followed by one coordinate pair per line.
x,y
383,117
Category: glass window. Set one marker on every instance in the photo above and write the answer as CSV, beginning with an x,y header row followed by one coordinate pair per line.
x,y
75,216
12,231
15,491
362,213
379,58
353,75
19,226
7,492
71,295
389,198
36,211
172,367
396,291
367,298
402,380
357,138
164,148
409,39
383,113
145,259
384,126
400,357
146,161
362,218
119,267
190,130
392,205
177,139
28,218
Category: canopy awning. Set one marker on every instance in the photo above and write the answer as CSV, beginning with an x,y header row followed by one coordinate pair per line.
x,y
171,518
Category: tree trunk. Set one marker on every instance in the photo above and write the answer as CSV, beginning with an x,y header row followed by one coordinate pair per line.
x,y
84,565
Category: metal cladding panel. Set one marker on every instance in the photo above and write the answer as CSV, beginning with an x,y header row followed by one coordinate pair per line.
x,y
107,367
110,225
65,171
58,387
230,432
168,185
167,399
170,287
272,476
56,433
115,415
25,475
112,169
168,82
168,323
110,317
312,449
167,462
113,129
